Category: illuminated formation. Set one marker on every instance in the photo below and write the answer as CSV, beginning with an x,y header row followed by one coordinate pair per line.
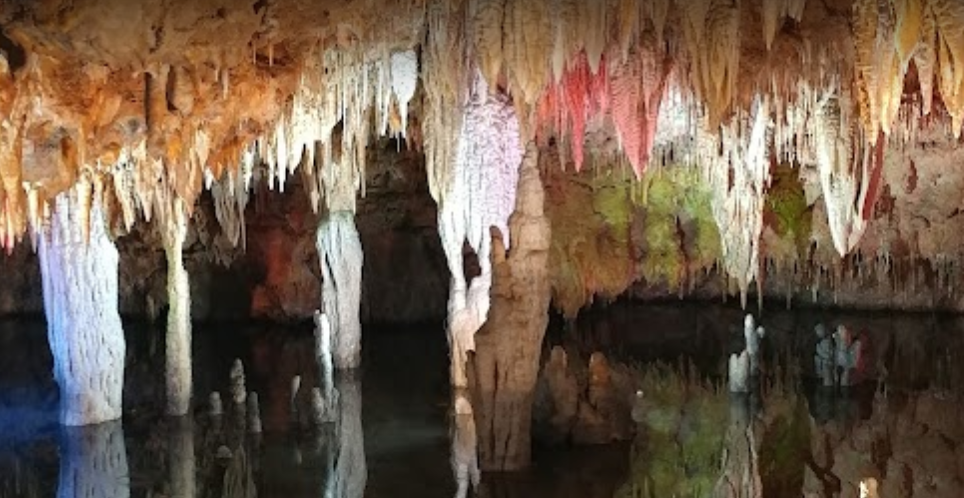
x,y
78,262
481,195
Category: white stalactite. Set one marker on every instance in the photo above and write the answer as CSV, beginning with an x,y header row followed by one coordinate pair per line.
x,y
740,177
178,345
93,462
340,253
80,302
481,195
844,174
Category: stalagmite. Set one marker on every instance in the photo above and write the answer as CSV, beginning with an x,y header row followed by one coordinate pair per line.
x,y
178,344
93,462
510,343
340,252
80,302
480,196
254,414
215,406
239,391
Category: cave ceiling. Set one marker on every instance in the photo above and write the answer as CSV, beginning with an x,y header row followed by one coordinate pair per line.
x,y
148,101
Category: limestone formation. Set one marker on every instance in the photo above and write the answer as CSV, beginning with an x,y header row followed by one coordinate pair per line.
x,y
507,355
239,390
340,253
78,262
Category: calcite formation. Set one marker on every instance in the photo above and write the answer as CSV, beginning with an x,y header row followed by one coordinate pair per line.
x,y
204,94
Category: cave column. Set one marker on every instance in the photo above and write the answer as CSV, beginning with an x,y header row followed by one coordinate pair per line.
x,y
340,252
178,343
508,346
78,263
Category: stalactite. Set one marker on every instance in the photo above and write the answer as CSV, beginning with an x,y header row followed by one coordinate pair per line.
x,y
638,86
340,254
484,30
567,106
443,74
178,343
878,67
740,177
774,12
949,18
845,171
80,301
527,47
481,195
404,82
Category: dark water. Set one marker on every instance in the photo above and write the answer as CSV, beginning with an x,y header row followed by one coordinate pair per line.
x,y
401,407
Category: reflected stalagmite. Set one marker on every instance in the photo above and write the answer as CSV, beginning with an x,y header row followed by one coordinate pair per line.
x,y
181,459
93,462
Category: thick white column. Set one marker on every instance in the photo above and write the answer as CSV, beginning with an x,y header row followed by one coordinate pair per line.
x,y
178,344
340,253
93,462
80,301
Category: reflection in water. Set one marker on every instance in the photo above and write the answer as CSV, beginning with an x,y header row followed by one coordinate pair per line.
x,y
180,458
465,456
94,462
349,470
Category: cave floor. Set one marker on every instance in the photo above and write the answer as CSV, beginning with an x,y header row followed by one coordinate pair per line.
x,y
808,439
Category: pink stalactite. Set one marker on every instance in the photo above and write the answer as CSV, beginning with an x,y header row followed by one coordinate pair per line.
x,y
877,169
566,107
637,86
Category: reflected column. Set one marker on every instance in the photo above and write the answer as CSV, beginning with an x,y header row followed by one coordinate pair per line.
x,y
181,462
93,462
349,474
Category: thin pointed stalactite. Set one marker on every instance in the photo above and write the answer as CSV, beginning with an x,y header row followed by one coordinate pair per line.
x,y
340,253
481,195
79,272
178,343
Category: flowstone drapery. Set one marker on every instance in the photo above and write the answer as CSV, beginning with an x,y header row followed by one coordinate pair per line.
x,y
79,270
481,195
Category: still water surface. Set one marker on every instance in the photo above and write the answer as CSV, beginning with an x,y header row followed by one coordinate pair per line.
x,y
394,430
